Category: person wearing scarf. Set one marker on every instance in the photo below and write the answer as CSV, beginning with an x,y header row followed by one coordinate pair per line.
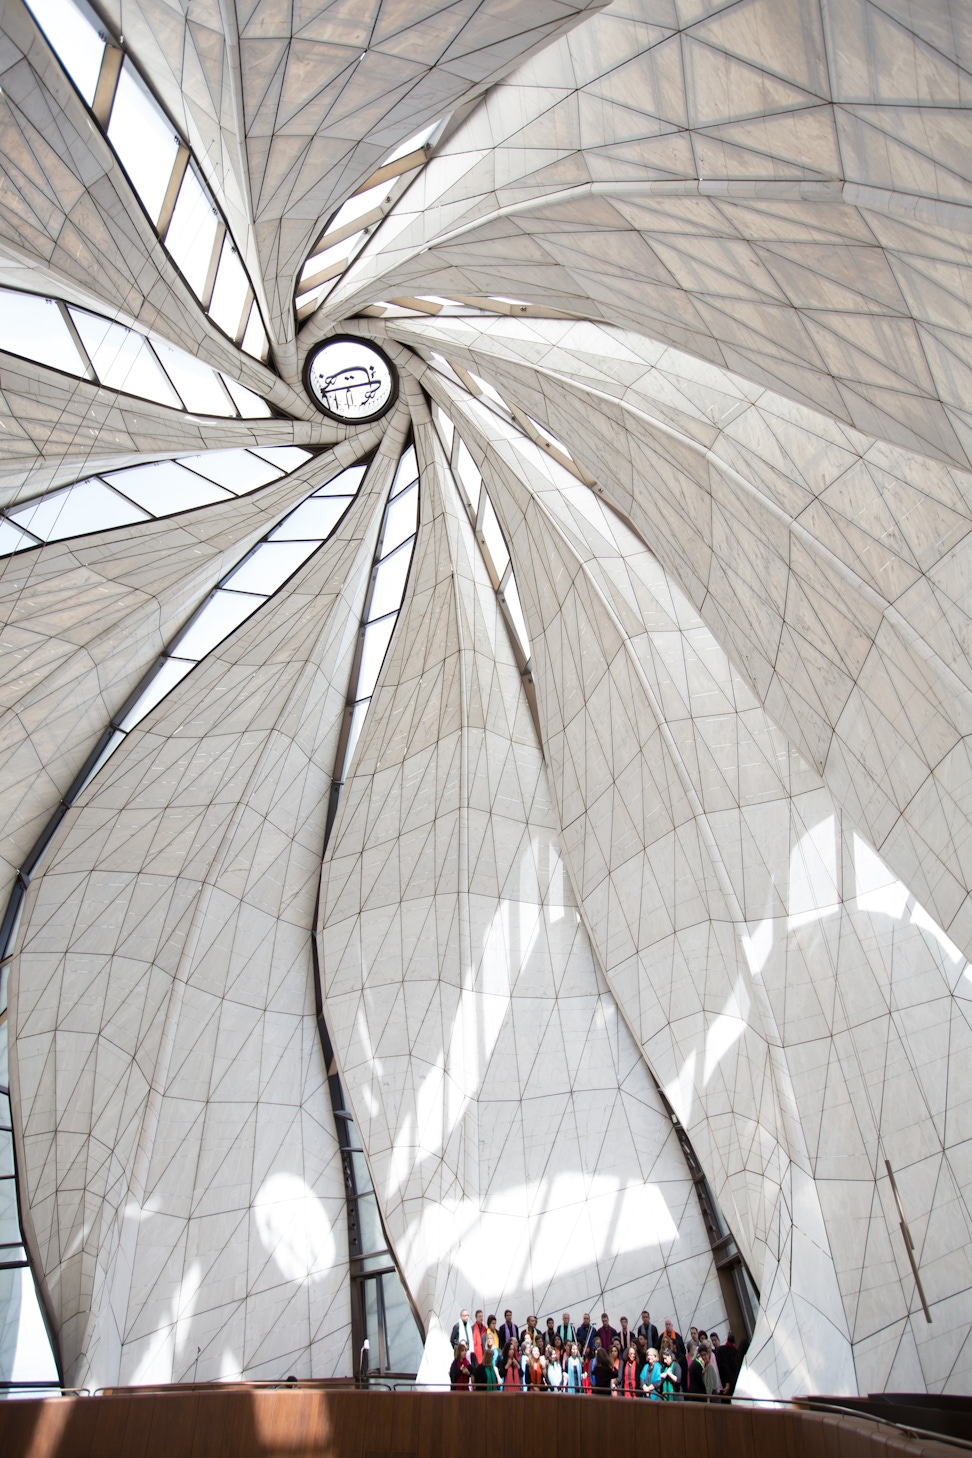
x,y
492,1375
651,1375
696,1373
462,1332
628,1376
555,1373
668,1383
710,1376
574,1375
512,1379
533,1371
491,1331
677,1345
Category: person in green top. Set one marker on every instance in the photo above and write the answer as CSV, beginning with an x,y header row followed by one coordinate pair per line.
x,y
493,1383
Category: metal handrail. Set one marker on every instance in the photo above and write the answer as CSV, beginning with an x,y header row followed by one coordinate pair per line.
x,y
807,1404
45,1387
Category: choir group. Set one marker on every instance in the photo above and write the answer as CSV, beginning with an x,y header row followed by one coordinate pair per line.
x,y
604,1360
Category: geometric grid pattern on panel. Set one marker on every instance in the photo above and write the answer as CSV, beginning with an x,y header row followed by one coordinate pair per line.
x,y
515,1137
656,799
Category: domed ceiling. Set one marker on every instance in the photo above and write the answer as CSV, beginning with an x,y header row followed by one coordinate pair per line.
x,y
487,681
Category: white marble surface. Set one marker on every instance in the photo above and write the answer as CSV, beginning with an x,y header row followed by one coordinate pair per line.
x,y
740,863
519,1149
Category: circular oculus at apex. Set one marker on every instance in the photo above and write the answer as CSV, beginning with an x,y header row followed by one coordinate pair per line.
x,y
351,380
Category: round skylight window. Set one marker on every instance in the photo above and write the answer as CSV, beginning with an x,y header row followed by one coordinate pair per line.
x,y
351,380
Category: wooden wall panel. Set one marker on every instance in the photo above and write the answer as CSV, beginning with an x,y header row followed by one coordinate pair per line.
x,y
241,1422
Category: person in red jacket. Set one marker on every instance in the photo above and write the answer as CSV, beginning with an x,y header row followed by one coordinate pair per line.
x,y
479,1336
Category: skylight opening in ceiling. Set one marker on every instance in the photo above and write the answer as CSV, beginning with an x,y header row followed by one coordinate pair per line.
x,y
386,593
531,428
142,493
460,306
77,342
244,589
159,166
489,534
350,227
143,139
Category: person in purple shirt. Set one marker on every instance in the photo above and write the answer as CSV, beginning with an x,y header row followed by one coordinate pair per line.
x,y
606,1332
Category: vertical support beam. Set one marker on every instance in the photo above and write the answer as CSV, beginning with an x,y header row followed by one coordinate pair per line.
x,y
172,191
104,97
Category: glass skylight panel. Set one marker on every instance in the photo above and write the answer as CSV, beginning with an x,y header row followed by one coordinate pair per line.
x,y
444,426
546,435
312,520
231,291
469,475
34,327
377,636
269,566
407,471
413,144
487,389
14,538
329,260
159,488
142,135
244,589
201,387
169,672
165,487
153,155
490,534
323,268
286,458
366,207
73,32
357,206
123,359
444,367
191,235
250,405
89,506
511,597
255,339
348,481
358,715
238,470
387,592
493,538
400,519
216,619
389,582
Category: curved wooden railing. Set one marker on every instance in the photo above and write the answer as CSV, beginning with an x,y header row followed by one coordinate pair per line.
x,y
250,1421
